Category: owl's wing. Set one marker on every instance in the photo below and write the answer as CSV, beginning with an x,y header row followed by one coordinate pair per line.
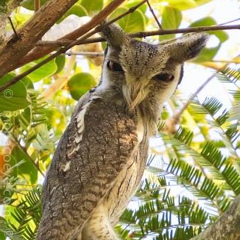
x,y
93,150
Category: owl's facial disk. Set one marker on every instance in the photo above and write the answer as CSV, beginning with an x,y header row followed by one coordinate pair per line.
x,y
147,69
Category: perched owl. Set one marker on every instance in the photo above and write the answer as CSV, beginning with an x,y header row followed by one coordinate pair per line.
x,y
101,157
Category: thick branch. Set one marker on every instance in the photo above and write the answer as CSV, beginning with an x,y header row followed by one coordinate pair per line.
x,y
227,227
16,48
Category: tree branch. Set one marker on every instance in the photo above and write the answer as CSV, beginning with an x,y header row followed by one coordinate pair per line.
x,y
37,5
15,49
87,54
153,13
86,27
13,28
64,42
227,227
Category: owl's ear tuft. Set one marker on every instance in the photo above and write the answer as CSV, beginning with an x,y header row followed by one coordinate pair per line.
x,y
187,47
114,35
195,42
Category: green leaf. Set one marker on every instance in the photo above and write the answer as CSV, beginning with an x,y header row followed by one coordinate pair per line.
x,y
182,4
130,4
44,71
80,84
134,22
29,4
60,61
171,19
77,10
92,6
14,97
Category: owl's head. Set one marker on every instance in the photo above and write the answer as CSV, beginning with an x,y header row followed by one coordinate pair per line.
x,y
145,71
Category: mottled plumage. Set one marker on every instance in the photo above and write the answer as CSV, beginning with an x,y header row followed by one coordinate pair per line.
x,y
101,157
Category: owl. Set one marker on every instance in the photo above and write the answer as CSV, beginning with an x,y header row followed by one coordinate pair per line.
x,y
101,157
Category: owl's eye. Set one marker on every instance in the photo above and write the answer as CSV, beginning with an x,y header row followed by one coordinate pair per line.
x,y
165,77
113,66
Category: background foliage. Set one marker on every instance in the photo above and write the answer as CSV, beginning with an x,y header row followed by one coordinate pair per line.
x,y
193,169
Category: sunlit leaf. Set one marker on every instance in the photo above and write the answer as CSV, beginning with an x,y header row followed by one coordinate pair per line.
x,y
171,19
132,22
130,4
92,6
80,84
77,10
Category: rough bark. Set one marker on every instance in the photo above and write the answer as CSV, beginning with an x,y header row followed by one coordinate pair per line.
x,y
227,227
17,47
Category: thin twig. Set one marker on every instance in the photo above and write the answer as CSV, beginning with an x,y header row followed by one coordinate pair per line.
x,y
56,43
186,30
154,15
147,34
90,54
231,21
13,28
37,5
